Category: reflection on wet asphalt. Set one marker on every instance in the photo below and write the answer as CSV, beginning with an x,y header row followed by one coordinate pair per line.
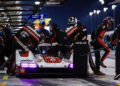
x,y
13,81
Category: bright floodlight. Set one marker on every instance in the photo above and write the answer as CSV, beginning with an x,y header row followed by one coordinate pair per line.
x,y
113,7
98,12
102,2
105,9
91,13
37,2
94,11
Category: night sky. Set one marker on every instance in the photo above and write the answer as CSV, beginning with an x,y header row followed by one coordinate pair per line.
x,y
80,9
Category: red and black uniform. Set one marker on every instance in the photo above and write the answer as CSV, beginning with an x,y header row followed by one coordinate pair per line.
x,y
59,36
6,47
79,32
97,42
116,39
76,32
2,46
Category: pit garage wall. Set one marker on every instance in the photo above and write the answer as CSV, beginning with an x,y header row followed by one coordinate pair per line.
x,y
16,18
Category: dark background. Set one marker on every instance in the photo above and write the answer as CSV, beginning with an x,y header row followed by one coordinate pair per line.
x,y
80,9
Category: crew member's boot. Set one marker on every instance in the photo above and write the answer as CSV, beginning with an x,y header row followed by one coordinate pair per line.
x,y
102,64
117,77
98,73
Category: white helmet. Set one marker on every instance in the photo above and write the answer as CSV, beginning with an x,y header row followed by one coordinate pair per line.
x,y
72,21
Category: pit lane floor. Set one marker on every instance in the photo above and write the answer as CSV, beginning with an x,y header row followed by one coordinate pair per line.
x,y
13,81
93,80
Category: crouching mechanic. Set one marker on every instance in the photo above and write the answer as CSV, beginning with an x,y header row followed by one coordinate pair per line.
x,y
116,39
97,43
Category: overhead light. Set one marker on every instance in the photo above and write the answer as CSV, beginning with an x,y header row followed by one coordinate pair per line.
x,y
113,7
20,27
105,9
16,20
98,12
20,12
102,1
37,2
91,13
94,11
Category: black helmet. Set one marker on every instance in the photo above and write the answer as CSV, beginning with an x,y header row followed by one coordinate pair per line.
x,y
72,21
109,20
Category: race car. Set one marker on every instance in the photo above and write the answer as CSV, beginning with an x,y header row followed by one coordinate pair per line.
x,y
42,56
33,57
41,59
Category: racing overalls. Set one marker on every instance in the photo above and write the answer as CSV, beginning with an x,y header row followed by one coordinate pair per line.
x,y
76,32
6,45
97,43
79,32
59,36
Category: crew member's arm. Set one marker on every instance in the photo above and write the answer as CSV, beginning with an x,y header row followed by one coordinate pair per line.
x,y
83,31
